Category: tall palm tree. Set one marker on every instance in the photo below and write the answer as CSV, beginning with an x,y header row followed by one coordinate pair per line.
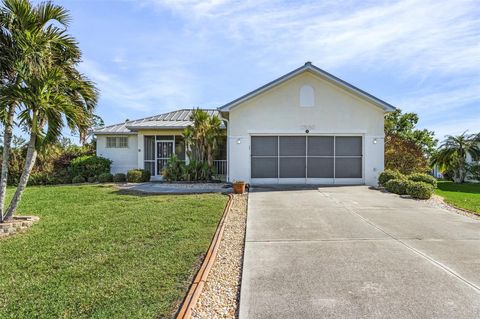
x,y
453,152
26,33
48,92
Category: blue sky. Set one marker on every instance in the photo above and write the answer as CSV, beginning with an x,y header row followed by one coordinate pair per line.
x,y
152,56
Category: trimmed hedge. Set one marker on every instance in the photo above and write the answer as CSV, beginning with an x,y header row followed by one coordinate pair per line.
x,y
138,176
425,178
419,190
89,166
387,175
78,179
120,178
105,178
397,186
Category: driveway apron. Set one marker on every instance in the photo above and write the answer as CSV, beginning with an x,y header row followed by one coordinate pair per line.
x,y
355,252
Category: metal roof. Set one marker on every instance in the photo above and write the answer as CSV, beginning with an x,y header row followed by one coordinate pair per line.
x,y
179,119
308,66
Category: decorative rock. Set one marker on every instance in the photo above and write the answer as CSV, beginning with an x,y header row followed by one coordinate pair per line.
x,y
18,224
219,298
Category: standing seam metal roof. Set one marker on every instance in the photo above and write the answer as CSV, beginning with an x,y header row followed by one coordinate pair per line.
x,y
172,120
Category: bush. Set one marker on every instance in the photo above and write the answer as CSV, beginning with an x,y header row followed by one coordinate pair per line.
x,y
420,190
78,179
92,179
89,166
474,172
119,178
198,171
138,176
397,186
175,170
387,175
40,178
418,177
105,178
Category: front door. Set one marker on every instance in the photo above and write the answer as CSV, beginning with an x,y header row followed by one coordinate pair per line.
x,y
164,152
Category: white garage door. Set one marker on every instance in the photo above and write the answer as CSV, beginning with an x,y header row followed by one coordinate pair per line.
x,y
307,159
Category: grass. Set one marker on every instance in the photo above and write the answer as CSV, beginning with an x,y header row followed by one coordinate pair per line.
x,y
96,253
465,196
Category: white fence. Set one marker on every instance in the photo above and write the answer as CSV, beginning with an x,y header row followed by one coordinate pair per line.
x,y
220,168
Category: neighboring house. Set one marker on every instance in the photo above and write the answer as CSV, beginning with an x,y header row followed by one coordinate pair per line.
x,y
307,126
470,161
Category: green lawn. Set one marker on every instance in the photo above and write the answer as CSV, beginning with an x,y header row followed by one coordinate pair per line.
x,y
96,253
466,196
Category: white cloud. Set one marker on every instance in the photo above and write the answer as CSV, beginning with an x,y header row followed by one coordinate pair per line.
x,y
452,126
431,46
155,88
421,35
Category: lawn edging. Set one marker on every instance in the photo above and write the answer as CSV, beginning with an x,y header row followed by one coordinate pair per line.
x,y
188,304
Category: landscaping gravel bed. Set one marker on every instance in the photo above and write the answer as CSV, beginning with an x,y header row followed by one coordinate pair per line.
x,y
219,298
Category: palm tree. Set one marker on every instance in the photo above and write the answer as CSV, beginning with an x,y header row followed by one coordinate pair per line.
x,y
49,92
26,32
212,135
202,136
453,152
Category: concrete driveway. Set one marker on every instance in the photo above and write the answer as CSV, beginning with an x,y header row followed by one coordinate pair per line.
x,y
353,252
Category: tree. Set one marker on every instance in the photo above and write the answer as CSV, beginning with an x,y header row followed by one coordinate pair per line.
x,y
48,92
452,154
404,156
201,138
406,148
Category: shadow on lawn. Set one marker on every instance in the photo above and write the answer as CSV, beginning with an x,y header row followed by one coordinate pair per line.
x,y
470,188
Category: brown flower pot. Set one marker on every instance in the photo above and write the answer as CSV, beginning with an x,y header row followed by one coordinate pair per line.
x,y
239,187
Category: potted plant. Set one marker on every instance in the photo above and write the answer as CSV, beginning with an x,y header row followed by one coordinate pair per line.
x,y
239,187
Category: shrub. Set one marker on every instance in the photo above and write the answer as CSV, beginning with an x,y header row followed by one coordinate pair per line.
x,y
418,177
78,179
175,170
89,166
92,179
138,176
198,171
397,186
448,174
40,178
105,178
420,190
119,178
474,171
387,175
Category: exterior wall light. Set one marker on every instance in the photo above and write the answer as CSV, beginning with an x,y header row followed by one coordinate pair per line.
x,y
374,141
239,141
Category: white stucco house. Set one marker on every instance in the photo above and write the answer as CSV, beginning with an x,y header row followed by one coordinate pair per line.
x,y
306,127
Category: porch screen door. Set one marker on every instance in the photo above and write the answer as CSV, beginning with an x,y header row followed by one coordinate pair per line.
x,y
164,152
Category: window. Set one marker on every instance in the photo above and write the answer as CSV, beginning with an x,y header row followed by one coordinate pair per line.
x,y
307,96
117,142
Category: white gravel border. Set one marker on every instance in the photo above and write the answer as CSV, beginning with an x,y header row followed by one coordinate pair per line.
x,y
221,293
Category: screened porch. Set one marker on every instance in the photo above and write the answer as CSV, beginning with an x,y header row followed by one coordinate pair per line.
x,y
158,149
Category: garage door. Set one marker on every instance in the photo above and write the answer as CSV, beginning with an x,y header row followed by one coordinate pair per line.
x,y
315,159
